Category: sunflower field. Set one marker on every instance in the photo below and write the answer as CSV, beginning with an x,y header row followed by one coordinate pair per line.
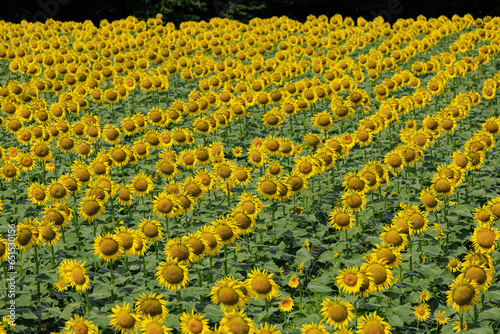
x,y
332,176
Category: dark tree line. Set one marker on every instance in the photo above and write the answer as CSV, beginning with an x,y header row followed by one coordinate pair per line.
x,y
177,11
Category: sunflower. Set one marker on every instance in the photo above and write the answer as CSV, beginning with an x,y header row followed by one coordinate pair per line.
x,y
91,207
127,237
429,200
313,328
197,244
37,193
476,159
191,186
336,312
306,166
353,201
250,204
355,182
207,180
166,205
485,238
267,329
483,215
187,158
454,265
462,294
75,274
394,161
4,249
124,194
27,234
10,170
41,151
394,237
212,238
49,233
380,271
179,250
129,126
296,181
151,229
237,322
387,253
478,273
237,151
226,229
172,275
286,304
262,284
77,324
108,247
119,155
152,305
417,219
341,219
123,319
322,121
240,174
229,294
256,156
193,323
422,312
166,168
26,161
349,280
153,325
140,244
142,184
372,323
268,187
440,319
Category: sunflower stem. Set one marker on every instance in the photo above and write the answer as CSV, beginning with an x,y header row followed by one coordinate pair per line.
x,y
461,315
346,244
53,257
143,210
267,309
179,300
167,227
87,303
112,281
144,271
126,263
225,260
411,259
37,268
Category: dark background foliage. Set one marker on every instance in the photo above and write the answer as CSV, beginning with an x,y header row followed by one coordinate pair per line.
x,y
243,10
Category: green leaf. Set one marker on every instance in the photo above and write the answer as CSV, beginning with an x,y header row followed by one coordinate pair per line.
x,y
462,210
212,312
318,288
68,310
492,313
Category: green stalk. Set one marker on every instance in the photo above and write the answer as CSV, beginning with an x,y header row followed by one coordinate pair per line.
x,y
87,302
